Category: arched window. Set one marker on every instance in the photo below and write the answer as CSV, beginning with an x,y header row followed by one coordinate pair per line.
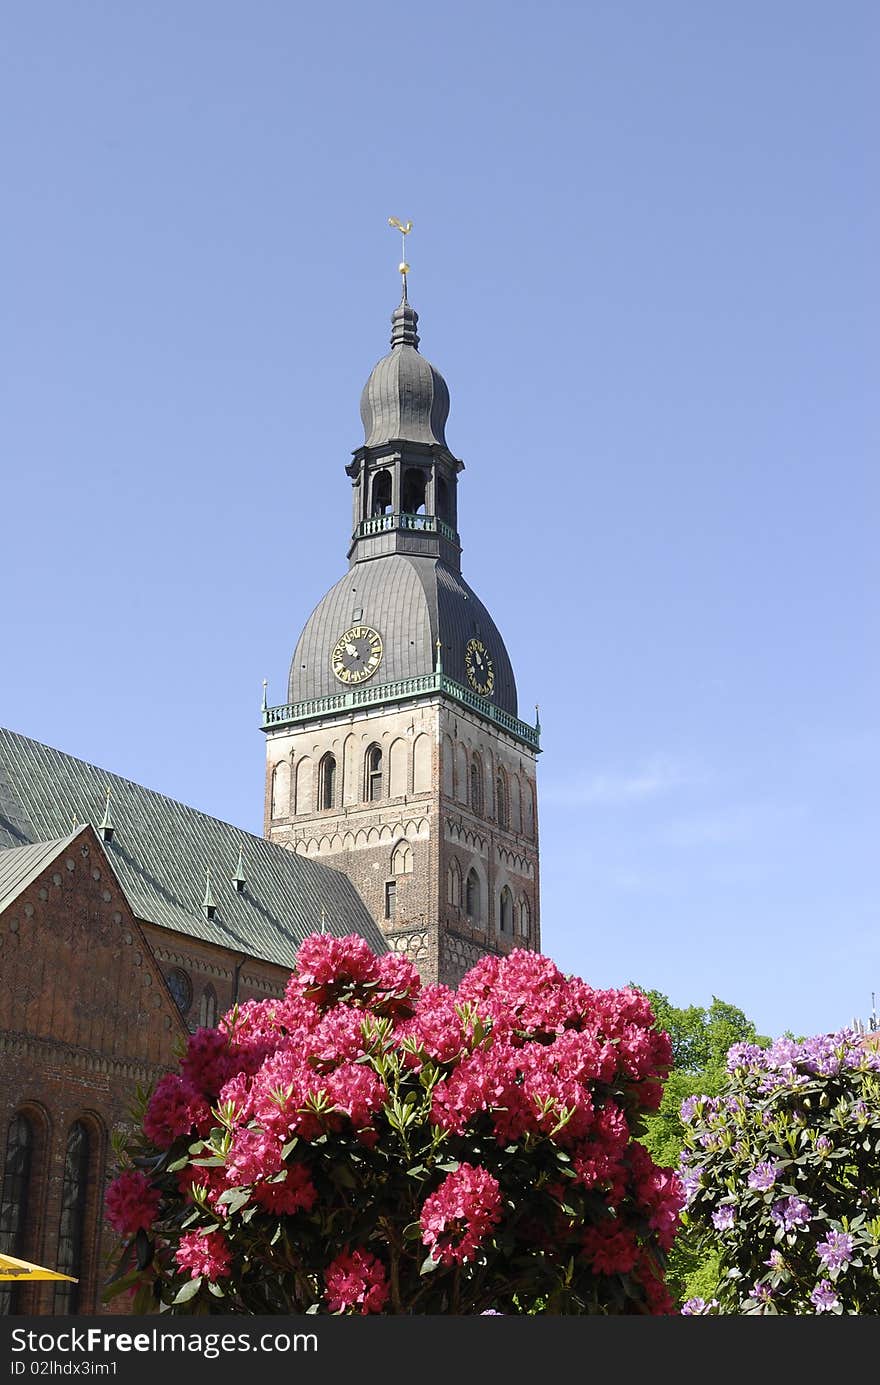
x,y
453,884
402,859
381,493
208,1008
17,1167
472,906
327,782
71,1226
180,987
414,480
373,774
505,911
281,789
525,916
501,801
476,798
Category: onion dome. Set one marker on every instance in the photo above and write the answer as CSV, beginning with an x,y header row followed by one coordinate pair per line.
x,y
405,399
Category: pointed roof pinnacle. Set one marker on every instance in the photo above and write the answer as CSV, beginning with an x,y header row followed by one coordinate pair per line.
x,y
239,880
208,904
107,826
438,665
264,704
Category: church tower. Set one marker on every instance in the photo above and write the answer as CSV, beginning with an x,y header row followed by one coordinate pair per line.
x,y
399,757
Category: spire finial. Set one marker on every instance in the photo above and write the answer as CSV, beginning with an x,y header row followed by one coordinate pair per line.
x,y
537,719
404,229
74,823
265,685
107,826
238,879
208,904
323,920
438,664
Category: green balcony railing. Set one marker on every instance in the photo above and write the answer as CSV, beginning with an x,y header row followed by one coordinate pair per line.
x,y
426,524
400,691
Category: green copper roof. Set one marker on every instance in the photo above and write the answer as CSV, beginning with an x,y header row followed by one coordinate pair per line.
x,y
161,850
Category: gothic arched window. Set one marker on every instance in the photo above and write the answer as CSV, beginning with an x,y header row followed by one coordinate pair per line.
x,y
327,782
402,859
505,911
525,916
17,1166
453,883
208,1008
71,1226
476,774
501,801
180,987
472,906
373,774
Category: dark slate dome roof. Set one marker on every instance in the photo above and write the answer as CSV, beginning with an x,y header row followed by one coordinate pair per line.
x,y
409,601
405,398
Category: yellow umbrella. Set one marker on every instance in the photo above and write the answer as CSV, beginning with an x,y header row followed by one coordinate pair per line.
x,y
23,1272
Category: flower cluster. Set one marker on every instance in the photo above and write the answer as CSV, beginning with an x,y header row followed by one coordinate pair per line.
x,y
782,1176
312,1148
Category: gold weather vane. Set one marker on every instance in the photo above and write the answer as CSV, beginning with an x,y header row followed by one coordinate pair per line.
x,y
404,229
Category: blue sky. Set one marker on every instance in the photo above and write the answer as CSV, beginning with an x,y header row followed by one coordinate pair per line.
x,y
644,257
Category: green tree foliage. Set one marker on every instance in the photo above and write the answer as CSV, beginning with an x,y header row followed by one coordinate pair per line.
x,y
700,1040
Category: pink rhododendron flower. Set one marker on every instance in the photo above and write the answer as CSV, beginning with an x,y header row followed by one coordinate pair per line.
x,y
456,1218
297,1193
356,1281
131,1202
327,965
208,1256
175,1108
610,1247
208,1061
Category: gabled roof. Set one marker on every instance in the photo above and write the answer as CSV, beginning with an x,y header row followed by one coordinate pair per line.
x,y
22,864
161,850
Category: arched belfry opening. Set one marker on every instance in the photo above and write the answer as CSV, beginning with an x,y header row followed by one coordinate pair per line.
x,y
415,483
380,502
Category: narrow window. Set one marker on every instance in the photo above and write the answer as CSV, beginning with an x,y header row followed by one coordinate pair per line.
x,y
373,785
505,911
476,786
453,883
208,1008
327,782
501,802
525,918
73,1216
390,898
14,1199
472,895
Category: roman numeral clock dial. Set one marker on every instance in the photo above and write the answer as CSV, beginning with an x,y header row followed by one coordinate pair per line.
x,y
357,654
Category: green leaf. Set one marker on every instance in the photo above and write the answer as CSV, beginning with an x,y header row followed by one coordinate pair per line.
x,y
189,1290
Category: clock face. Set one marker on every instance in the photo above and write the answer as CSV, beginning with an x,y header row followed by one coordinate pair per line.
x,y
357,654
479,667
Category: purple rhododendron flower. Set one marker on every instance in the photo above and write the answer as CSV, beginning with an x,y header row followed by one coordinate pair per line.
x,y
724,1218
824,1297
762,1292
776,1261
695,1307
763,1176
791,1212
836,1250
